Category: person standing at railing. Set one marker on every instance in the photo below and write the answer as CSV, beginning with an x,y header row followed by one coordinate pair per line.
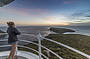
x,y
12,39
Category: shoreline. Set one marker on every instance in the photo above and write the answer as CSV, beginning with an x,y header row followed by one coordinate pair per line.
x,y
64,30
77,41
78,30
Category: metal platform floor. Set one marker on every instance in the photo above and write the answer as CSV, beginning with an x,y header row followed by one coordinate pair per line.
x,y
20,54
19,57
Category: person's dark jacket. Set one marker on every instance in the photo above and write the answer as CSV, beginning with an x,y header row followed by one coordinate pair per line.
x,y
12,32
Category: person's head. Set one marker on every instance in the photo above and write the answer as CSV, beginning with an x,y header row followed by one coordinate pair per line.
x,y
10,24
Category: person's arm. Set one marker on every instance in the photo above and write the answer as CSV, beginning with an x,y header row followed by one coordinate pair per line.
x,y
16,31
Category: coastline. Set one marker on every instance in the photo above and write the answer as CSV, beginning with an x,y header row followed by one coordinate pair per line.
x,y
83,30
77,41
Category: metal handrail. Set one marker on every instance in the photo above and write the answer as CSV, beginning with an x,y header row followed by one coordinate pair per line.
x,y
5,46
26,48
66,46
40,50
40,37
44,48
41,46
33,50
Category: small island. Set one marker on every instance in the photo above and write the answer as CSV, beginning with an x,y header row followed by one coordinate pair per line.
x,y
61,30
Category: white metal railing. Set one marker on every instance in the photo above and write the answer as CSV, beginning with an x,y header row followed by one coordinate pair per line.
x,y
66,46
26,48
34,50
40,46
40,49
75,50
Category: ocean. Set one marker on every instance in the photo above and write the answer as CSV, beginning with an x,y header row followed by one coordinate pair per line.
x,y
30,30
34,30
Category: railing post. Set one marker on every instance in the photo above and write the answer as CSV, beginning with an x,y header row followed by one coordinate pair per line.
x,y
39,42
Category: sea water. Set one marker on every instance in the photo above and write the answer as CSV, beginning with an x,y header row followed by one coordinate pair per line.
x,y
84,30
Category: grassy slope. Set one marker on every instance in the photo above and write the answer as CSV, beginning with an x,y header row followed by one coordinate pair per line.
x,y
77,41
80,42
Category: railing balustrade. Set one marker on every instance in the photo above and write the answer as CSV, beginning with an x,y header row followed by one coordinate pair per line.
x,y
40,46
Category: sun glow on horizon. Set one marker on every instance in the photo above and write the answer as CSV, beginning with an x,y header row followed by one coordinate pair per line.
x,y
45,21
44,24
58,23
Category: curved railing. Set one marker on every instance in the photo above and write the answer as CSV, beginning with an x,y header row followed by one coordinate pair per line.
x,y
26,48
66,46
40,46
43,47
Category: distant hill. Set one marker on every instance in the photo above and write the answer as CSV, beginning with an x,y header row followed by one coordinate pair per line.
x,y
61,30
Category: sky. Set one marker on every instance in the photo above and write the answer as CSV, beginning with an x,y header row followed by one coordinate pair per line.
x,y
46,12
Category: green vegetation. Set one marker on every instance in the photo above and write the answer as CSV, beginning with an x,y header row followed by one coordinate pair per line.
x,y
80,42
77,41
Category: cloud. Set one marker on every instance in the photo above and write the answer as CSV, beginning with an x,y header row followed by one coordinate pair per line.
x,y
25,11
56,20
82,24
22,15
81,15
88,16
69,1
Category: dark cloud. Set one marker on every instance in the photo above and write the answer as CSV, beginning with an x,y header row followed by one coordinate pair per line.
x,y
88,16
82,24
81,15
